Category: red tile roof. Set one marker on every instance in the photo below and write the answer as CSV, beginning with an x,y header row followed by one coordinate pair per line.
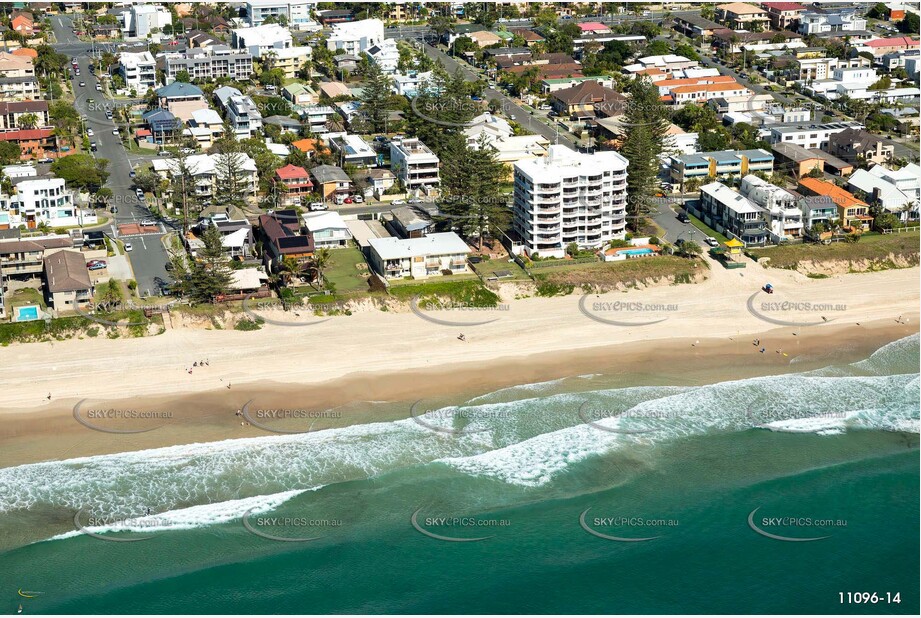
x,y
291,171
784,6
25,134
896,40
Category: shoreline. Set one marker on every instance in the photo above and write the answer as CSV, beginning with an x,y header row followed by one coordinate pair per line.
x,y
52,433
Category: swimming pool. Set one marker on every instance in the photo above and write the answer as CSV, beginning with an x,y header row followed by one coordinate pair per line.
x,y
26,313
644,251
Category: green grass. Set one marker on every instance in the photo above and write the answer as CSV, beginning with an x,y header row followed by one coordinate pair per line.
x,y
467,292
606,275
488,268
875,248
25,296
343,273
706,229
61,328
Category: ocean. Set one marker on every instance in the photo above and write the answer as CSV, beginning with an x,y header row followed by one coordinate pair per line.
x,y
794,493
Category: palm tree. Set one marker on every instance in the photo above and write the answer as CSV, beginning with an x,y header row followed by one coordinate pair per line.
x,y
319,263
287,268
28,121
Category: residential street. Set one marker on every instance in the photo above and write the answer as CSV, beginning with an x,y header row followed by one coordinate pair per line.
x,y
148,256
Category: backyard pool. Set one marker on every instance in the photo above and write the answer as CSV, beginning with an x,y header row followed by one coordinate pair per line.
x,y
644,251
26,313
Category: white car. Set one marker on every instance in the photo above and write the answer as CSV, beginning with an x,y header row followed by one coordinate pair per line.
x,y
318,206
114,131
82,84
89,132
148,222
398,202
98,88
187,151
711,241
128,246
358,199
415,200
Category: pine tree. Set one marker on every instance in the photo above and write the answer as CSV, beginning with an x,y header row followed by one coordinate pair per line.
x,y
470,197
646,126
209,275
375,97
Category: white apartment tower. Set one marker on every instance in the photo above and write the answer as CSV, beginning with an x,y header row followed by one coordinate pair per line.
x,y
569,197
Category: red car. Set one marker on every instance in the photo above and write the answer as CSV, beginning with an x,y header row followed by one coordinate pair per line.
x,y
347,200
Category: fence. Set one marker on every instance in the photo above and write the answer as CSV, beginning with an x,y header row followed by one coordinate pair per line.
x,y
900,230
573,262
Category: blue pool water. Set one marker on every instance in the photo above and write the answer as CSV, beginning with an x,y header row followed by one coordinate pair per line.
x,y
25,314
635,252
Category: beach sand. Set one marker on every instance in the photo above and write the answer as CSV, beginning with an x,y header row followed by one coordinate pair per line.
x,y
389,356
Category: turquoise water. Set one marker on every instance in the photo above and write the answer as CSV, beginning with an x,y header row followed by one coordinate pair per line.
x,y
28,313
684,464
635,252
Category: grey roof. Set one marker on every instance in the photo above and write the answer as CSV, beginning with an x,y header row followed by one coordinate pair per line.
x,y
179,89
329,173
410,220
282,121
794,152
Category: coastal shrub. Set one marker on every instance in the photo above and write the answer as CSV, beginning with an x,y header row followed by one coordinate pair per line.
x,y
39,330
547,289
247,324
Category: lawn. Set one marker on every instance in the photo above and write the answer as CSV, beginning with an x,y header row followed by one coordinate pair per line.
x,y
488,268
706,229
347,271
25,296
606,275
871,247
467,292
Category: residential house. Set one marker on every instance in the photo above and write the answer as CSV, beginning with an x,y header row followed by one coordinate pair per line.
x,y
289,60
588,100
514,148
385,55
282,239
353,150
832,20
693,25
261,39
14,65
317,117
569,197
408,223
285,123
292,185
419,258
856,144
33,143
41,201
22,22
327,229
486,128
781,211
741,15
549,86
852,212
181,99
415,165
408,85
240,110
207,172
783,15
67,281
798,160
732,214
299,94
331,181
667,63
356,37
143,20
896,191
209,122
378,180
163,125
881,47
138,70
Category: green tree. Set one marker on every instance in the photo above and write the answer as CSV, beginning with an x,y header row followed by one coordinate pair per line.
x,y
208,275
470,195
82,171
646,123
27,121
320,262
9,153
375,98
911,24
183,76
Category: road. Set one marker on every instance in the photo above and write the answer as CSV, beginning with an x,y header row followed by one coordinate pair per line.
x,y
510,107
148,256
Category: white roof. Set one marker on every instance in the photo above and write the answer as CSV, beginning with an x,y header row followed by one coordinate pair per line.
x,y
247,278
563,162
206,116
288,53
867,182
202,164
264,35
279,149
131,60
329,220
237,238
732,200
441,243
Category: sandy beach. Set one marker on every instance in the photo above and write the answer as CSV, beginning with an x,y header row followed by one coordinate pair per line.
x,y
706,329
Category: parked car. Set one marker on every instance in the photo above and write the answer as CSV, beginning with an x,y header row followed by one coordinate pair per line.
x,y
711,241
89,132
115,131
398,202
128,246
115,210
164,153
683,217
347,200
93,146
98,87
318,206
96,264
415,200
358,199
149,222
46,160
82,84
187,151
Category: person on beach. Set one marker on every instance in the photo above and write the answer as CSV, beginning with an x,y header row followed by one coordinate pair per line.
x,y
461,337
